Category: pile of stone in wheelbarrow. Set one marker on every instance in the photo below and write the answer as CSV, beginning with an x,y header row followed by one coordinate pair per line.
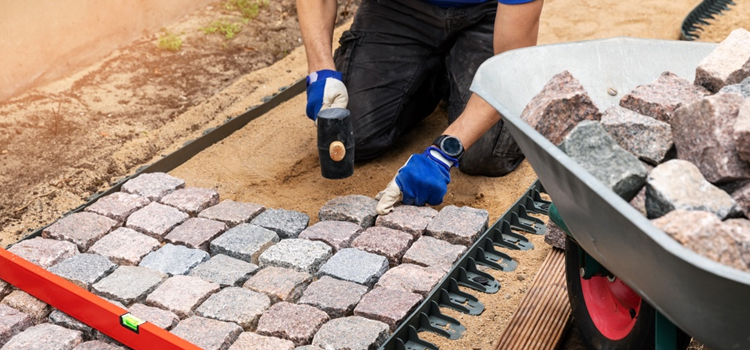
x,y
678,151
231,275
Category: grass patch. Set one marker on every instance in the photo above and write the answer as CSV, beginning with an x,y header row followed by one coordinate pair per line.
x,y
248,8
170,41
226,28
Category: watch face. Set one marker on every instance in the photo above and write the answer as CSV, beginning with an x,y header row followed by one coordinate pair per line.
x,y
451,146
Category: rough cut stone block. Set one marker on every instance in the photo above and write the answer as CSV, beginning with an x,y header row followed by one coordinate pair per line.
x,y
45,337
118,206
181,294
645,137
12,322
286,223
390,306
430,251
356,266
742,197
295,253
153,185
555,236
739,230
384,241
235,304
98,345
741,131
742,88
352,332
156,220
232,213
678,184
703,135
80,228
161,318
208,334
297,323
44,252
408,218
335,297
196,233
252,341
129,284
125,246
703,233
245,242
63,320
728,64
174,259
24,302
337,234
279,283
84,269
661,98
560,105
353,208
411,278
458,225
191,200
598,153
224,270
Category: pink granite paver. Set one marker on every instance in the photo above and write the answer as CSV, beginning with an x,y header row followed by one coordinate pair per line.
x,y
729,63
430,251
662,97
118,206
408,218
411,278
337,234
181,294
196,233
234,304
45,336
294,322
279,283
458,225
252,341
12,322
98,345
156,220
336,297
387,305
82,228
208,334
384,241
125,246
352,332
232,213
191,200
24,302
159,317
44,252
153,185
5,289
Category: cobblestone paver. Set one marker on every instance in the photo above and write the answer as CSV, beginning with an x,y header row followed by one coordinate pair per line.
x,y
296,253
45,337
429,251
156,220
159,317
191,200
12,322
387,305
245,242
337,234
232,213
279,284
352,332
408,218
353,208
153,185
294,322
224,270
24,302
174,259
97,345
129,284
208,334
355,265
84,269
384,241
44,252
125,246
234,304
336,297
5,289
286,223
181,294
411,278
118,206
252,341
64,320
458,225
80,228
196,233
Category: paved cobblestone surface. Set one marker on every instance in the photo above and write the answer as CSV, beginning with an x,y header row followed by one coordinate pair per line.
x,y
337,234
234,304
299,254
80,228
279,284
336,297
118,206
408,218
24,302
174,259
98,345
129,284
355,265
245,242
125,246
294,322
232,213
45,337
224,270
387,305
411,278
458,225
429,251
196,233
12,322
159,317
353,208
153,185
286,223
84,269
208,334
181,294
252,341
384,241
352,332
44,252
63,320
191,200
156,220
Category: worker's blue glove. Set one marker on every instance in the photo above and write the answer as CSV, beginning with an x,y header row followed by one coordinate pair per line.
x,y
423,179
325,90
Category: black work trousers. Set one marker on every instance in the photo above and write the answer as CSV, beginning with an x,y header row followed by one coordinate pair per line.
x,y
400,58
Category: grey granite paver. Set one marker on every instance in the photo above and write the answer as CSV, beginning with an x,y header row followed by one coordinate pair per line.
x,y
196,233
125,246
208,334
174,259
81,228
408,218
279,283
352,333
743,88
45,337
355,265
44,252
156,220
458,225
337,234
26,303
294,322
118,206
191,200
84,269
224,270
12,322
159,317
64,320
411,278
153,185
296,253
286,223
129,284
353,208
234,304
97,345
384,241
245,242
232,213
252,341
390,306
729,63
181,294
336,297
430,251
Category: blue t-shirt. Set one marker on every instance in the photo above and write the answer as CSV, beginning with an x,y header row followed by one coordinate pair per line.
x,y
459,3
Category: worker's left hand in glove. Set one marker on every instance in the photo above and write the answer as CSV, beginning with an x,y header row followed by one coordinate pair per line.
x,y
325,89
422,180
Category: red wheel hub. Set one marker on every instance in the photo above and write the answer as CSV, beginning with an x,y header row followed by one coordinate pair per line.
x,y
613,306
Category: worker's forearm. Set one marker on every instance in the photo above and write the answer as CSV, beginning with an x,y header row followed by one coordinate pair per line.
x,y
317,19
477,118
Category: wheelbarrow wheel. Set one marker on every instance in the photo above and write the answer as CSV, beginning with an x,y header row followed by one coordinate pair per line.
x,y
610,315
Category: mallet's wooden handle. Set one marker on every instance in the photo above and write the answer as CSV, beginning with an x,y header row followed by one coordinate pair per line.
x,y
337,151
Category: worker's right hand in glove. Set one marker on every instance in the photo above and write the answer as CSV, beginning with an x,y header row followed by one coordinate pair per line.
x,y
325,89
422,180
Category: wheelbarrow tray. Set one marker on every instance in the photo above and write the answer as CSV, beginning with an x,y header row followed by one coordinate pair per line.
x,y
708,300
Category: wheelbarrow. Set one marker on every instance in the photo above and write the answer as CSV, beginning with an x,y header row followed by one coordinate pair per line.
x,y
631,286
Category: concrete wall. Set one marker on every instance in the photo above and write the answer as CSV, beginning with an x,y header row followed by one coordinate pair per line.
x,y
42,40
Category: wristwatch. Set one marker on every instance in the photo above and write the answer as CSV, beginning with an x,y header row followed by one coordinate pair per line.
x,y
450,145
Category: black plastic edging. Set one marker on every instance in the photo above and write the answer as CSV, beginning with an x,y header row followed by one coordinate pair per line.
x,y
191,148
698,16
